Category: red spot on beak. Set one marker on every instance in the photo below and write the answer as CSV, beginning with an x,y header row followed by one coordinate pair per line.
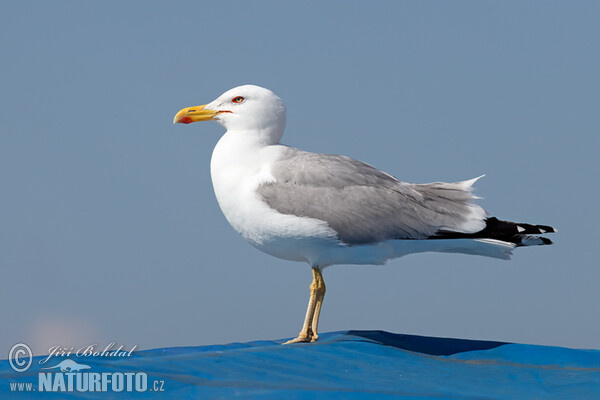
x,y
185,120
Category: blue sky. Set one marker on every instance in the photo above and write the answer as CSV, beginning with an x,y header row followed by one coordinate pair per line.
x,y
109,229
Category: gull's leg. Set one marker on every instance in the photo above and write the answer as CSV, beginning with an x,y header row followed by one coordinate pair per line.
x,y
306,334
319,302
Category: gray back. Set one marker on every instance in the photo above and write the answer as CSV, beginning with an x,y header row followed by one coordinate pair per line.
x,y
363,204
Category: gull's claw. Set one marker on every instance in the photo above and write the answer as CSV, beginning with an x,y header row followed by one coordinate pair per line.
x,y
301,339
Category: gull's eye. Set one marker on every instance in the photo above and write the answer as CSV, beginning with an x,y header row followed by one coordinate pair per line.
x,y
238,99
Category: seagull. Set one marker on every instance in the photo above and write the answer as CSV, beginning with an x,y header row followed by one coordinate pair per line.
x,y
328,209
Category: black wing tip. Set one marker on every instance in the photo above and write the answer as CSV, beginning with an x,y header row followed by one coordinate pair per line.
x,y
493,224
546,229
520,234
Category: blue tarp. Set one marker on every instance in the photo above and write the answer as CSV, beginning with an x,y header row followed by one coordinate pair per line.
x,y
351,364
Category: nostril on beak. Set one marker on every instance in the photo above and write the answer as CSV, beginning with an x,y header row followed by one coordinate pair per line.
x,y
192,110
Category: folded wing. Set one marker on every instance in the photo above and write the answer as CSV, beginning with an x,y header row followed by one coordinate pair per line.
x,y
365,205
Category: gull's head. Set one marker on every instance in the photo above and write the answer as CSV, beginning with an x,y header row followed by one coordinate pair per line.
x,y
247,108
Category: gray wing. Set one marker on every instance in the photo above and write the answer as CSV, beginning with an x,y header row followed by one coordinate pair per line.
x,y
366,205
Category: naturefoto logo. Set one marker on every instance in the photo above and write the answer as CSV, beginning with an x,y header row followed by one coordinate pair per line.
x,y
71,376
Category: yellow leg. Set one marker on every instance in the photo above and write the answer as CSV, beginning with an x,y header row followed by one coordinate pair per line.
x,y
319,303
317,292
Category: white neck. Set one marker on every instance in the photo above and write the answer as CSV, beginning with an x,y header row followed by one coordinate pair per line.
x,y
242,158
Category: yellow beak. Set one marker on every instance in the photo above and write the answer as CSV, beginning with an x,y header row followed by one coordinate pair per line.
x,y
194,114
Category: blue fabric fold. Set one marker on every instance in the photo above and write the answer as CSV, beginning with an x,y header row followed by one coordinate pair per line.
x,y
350,364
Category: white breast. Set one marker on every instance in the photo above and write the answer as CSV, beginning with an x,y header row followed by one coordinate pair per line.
x,y
238,166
